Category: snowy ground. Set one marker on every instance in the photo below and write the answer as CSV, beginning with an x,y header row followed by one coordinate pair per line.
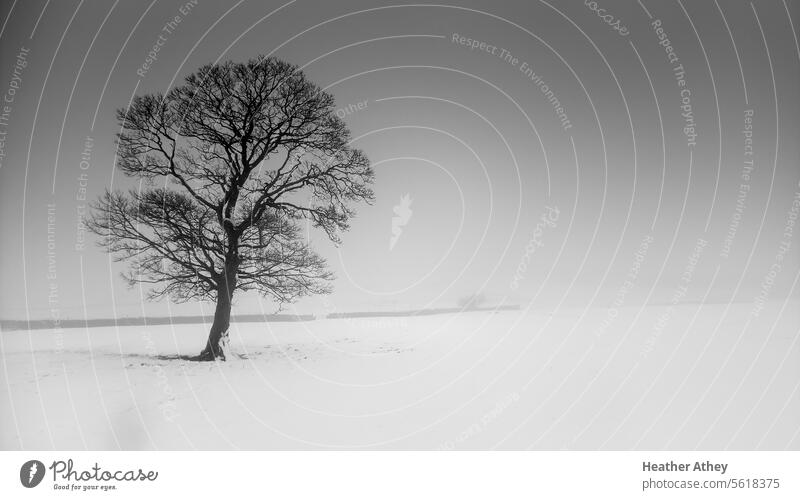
x,y
655,377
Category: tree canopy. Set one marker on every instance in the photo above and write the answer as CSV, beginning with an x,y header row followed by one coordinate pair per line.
x,y
232,162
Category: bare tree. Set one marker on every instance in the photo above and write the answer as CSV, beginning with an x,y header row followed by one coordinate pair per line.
x,y
234,159
472,301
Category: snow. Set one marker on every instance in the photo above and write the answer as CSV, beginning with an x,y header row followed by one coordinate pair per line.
x,y
713,378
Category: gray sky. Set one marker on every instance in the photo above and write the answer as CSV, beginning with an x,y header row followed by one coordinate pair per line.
x,y
474,139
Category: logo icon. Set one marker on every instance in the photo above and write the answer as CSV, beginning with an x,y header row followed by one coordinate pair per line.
x,y
31,473
403,214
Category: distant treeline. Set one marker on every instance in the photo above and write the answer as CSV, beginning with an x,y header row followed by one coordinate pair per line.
x,y
419,312
42,324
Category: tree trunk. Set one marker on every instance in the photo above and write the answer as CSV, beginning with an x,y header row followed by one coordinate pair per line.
x,y
222,314
219,329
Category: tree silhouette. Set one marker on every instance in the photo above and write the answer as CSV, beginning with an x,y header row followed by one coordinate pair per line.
x,y
234,159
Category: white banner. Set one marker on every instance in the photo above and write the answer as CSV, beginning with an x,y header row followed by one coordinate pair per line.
x,y
566,474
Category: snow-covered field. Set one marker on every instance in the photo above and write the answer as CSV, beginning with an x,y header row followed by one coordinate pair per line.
x,y
655,377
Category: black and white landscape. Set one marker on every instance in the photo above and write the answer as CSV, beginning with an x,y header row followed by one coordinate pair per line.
x,y
371,225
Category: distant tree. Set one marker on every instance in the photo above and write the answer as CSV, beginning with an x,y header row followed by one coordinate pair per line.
x,y
472,301
234,159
